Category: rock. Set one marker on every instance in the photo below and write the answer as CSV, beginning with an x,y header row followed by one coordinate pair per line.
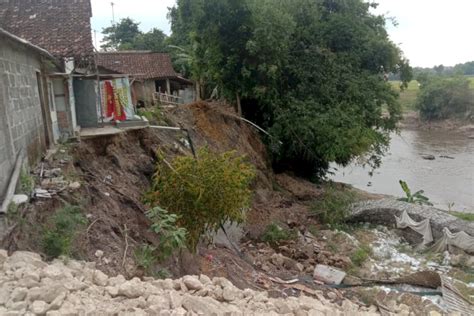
x,y
3,256
204,306
55,272
74,185
18,294
19,199
175,299
159,301
332,296
100,278
47,293
99,254
204,279
192,282
39,307
131,289
328,274
300,267
4,295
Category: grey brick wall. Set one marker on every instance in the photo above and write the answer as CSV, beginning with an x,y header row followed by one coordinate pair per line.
x,y
21,122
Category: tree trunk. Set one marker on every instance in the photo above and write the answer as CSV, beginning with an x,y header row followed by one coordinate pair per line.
x,y
239,105
198,90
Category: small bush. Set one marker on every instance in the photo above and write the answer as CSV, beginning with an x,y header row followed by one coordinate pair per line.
x,y
361,255
61,229
152,114
275,235
441,98
333,207
205,192
172,237
145,257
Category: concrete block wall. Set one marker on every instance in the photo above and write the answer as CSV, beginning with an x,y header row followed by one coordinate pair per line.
x,y
20,107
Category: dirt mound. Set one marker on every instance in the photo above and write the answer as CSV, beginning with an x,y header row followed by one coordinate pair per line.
x,y
115,172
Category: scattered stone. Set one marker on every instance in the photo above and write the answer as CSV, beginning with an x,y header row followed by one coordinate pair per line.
x,y
99,254
39,307
75,185
19,199
192,282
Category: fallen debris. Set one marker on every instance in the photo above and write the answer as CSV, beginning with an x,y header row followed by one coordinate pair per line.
x,y
328,275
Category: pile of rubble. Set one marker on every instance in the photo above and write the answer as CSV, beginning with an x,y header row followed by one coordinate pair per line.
x,y
31,286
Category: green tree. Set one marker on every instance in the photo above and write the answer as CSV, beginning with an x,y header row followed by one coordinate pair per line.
x,y
120,35
154,40
311,71
126,35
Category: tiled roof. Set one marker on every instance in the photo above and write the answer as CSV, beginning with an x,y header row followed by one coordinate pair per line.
x,y
62,27
140,64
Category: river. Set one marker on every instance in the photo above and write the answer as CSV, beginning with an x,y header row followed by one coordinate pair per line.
x,y
448,183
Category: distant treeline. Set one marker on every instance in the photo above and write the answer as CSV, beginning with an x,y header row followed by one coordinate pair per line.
x,y
465,69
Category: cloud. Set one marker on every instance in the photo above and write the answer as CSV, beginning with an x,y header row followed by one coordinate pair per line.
x,y
431,32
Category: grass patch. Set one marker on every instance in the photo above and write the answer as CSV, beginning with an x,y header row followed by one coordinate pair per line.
x,y
408,95
275,235
332,208
464,216
60,231
27,182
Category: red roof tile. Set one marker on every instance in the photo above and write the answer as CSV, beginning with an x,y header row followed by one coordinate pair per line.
x,y
140,64
62,27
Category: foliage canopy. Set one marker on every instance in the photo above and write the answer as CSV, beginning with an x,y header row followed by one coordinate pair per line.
x,y
204,193
311,71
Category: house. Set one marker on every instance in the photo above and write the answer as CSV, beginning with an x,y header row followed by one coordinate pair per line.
x,y
154,78
50,86
25,93
64,29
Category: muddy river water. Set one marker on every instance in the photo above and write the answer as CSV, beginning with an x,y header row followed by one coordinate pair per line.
x,y
448,180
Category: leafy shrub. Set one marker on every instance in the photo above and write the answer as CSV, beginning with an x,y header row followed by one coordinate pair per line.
x,y
415,198
361,255
441,98
205,192
275,235
61,229
333,207
172,237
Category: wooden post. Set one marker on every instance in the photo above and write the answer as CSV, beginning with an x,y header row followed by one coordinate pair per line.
x,y
168,86
239,105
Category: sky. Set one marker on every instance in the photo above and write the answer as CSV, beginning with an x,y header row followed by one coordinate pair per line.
x,y
430,32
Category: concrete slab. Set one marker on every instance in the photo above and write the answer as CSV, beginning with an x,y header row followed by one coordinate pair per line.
x,y
328,275
100,131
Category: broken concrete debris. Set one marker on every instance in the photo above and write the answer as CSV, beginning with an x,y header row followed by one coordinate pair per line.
x,y
328,275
